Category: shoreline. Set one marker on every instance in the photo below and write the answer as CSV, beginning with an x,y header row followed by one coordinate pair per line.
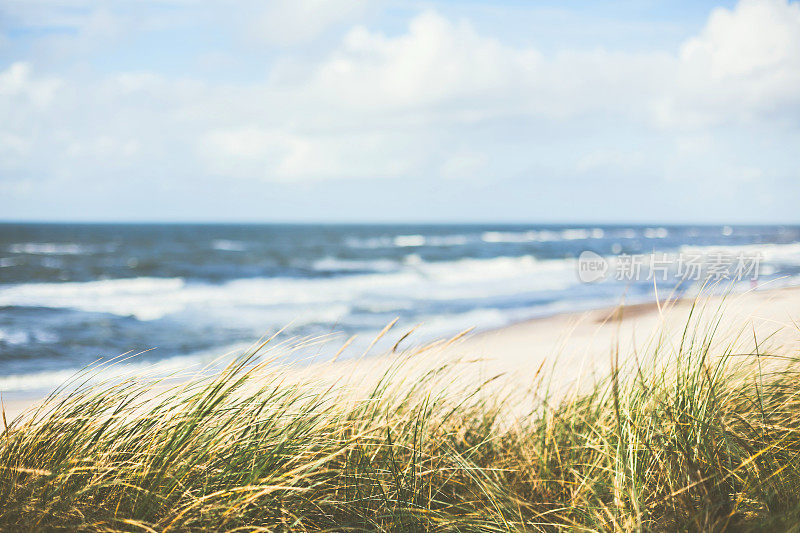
x,y
579,341
587,336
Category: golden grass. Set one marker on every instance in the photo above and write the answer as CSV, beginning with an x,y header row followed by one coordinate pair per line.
x,y
690,436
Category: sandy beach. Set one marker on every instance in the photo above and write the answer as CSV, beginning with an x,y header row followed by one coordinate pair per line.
x,y
578,344
569,347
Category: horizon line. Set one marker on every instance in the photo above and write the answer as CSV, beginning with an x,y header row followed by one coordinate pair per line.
x,y
583,223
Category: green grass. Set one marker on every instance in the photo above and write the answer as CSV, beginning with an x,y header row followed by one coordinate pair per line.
x,y
690,435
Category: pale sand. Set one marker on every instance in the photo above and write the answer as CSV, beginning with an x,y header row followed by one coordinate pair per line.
x,y
583,343
579,346
574,349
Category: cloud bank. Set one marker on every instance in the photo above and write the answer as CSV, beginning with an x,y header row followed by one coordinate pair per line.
x,y
432,99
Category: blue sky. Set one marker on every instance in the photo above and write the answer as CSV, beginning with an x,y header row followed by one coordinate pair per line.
x,y
347,110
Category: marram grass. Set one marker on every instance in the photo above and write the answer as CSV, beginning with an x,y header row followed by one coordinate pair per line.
x,y
690,436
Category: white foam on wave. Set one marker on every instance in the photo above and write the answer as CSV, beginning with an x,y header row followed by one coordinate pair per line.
x,y
155,298
570,234
405,241
335,264
370,244
656,233
52,248
787,254
226,245
582,234
13,337
17,337
261,318
410,241
267,301
144,298
181,365
35,381
447,240
509,236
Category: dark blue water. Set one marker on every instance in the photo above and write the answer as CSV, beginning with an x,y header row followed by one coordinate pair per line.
x,y
72,293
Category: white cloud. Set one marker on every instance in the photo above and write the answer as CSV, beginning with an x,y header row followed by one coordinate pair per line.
x,y
102,148
258,153
437,99
435,61
757,38
17,83
743,66
292,22
465,164
247,152
440,70
611,159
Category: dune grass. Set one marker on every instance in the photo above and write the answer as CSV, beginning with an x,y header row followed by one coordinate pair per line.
x,y
690,435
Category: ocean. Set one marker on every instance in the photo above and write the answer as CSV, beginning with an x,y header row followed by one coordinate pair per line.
x,y
183,294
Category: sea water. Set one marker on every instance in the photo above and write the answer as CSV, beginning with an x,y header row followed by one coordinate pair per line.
x,y
183,294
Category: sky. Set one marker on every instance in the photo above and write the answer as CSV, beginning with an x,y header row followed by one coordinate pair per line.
x,y
386,111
